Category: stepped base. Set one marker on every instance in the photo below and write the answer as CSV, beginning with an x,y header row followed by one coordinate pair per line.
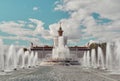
x,y
66,62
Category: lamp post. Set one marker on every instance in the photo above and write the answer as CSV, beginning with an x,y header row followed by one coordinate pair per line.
x,y
76,48
43,49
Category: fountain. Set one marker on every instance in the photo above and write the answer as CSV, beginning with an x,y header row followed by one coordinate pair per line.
x,y
113,57
14,60
60,53
91,60
109,62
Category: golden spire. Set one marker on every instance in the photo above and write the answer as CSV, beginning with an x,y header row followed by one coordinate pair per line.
x,y
60,31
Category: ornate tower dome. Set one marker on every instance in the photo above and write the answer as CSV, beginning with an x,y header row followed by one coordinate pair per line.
x,y
60,31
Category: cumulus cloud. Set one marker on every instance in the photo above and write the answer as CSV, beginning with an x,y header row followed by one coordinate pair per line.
x,y
40,29
21,30
14,28
107,8
81,16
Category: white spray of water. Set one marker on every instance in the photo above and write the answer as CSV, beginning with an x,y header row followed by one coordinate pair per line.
x,y
20,58
93,58
85,59
100,58
12,58
35,59
88,59
108,57
1,55
61,51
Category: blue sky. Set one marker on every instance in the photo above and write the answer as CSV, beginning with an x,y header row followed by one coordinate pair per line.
x,y
14,10
23,10
25,21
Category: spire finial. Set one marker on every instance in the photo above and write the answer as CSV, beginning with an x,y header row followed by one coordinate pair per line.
x,y
60,24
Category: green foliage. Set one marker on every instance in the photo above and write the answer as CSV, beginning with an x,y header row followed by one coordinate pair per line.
x,y
93,46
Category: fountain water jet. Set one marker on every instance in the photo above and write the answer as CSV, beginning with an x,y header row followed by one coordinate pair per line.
x,y
84,59
2,56
93,58
20,58
30,60
12,58
26,59
108,57
88,59
35,59
100,58
117,52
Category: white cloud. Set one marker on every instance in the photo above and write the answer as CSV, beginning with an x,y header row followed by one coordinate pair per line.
x,y
14,28
35,8
40,29
21,30
107,8
31,26
80,14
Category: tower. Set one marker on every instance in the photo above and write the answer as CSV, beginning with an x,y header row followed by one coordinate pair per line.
x,y
60,31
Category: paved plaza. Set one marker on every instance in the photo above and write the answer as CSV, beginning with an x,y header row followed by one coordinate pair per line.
x,y
59,73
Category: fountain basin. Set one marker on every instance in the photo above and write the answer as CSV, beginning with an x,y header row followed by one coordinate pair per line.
x,y
67,62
